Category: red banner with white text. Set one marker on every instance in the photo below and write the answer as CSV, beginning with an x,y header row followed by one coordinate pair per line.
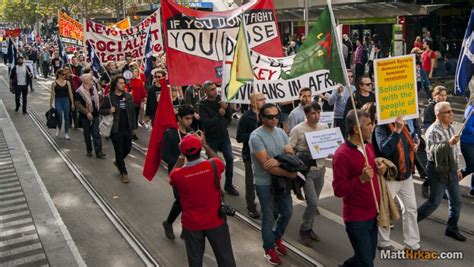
x,y
194,39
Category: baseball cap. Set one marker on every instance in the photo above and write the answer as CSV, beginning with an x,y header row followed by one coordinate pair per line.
x,y
190,145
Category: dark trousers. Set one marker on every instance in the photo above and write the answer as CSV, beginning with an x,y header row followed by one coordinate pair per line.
x,y
21,91
363,237
175,208
122,142
74,119
45,69
339,122
219,238
91,128
225,147
137,114
468,154
249,186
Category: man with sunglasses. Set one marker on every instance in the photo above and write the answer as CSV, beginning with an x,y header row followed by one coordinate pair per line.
x,y
443,169
153,93
267,142
363,95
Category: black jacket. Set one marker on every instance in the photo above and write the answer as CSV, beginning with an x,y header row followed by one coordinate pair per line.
x,y
247,124
170,150
429,115
105,108
359,100
213,124
13,78
152,100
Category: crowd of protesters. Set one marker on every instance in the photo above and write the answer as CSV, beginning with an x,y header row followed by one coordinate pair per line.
x,y
271,134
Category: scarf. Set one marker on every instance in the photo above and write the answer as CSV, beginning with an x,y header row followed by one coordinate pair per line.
x,y
401,152
85,94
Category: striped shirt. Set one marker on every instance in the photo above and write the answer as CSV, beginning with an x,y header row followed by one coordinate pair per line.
x,y
437,134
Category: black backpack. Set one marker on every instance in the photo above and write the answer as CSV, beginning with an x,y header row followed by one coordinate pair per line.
x,y
52,118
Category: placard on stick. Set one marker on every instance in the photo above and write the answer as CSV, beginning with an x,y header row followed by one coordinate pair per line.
x,y
395,88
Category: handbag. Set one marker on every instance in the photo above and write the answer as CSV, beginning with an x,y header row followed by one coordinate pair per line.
x,y
106,123
51,118
224,210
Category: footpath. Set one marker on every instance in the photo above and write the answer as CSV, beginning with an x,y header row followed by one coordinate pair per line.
x,y
31,230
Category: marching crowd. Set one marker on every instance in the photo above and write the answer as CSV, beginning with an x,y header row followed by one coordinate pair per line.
x,y
374,165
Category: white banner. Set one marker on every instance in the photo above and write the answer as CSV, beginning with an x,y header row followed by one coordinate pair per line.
x,y
114,45
324,142
267,78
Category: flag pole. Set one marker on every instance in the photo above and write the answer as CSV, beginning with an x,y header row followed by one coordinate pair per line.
x,y
346,79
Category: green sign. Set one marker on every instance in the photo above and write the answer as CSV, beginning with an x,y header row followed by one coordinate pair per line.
x,y
368,21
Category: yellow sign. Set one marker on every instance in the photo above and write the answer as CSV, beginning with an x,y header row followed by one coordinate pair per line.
x,y
121,25
395,88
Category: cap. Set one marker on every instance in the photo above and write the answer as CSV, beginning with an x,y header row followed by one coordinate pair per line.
x,y
190,145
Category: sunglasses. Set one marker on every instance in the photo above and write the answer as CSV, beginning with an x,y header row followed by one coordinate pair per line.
x,y
271,116
158,77
367,84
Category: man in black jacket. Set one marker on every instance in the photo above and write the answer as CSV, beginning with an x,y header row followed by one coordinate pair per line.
x,y
170,154
363,95
247,123
123,127
20,77
215,117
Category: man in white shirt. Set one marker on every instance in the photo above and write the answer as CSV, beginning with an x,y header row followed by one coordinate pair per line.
x,y
20,77
315,177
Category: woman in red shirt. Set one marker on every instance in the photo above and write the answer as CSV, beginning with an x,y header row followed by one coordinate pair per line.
x,y
137,88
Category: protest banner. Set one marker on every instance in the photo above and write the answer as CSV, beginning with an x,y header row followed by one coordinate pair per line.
x,y
13,33
324,142
196,38
114,45
395,88
327,117
70,30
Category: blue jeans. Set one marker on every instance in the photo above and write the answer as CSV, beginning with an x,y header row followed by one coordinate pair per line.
x,y
437,188
363,237
63,106
284,206
225,147
468,154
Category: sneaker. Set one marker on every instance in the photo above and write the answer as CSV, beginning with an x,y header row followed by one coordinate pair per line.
x,y
67,136
272,257
168,230
125,179
305,238
57,132
232,191
390,247
425,191
314,236
280,247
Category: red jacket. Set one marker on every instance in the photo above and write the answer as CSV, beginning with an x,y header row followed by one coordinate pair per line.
x,y
357,197
137,89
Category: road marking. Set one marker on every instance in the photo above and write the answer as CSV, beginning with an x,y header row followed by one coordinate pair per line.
x,y
17,207
17,231
11,201
20,250
25,260
18,240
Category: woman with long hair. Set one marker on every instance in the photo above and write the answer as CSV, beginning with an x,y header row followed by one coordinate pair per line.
x,y
61,95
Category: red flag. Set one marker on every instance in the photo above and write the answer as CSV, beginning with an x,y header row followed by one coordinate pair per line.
x,y
164,119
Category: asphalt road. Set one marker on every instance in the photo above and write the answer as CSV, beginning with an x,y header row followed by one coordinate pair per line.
x,y
144,205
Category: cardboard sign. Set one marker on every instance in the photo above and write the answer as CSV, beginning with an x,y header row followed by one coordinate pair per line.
x,y
195,39
395,88
327,117
70,30
114,45
324,142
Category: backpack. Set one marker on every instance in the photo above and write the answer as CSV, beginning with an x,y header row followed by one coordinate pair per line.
x,y
52,118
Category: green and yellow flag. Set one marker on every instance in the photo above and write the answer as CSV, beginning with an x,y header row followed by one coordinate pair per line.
x,y
241,68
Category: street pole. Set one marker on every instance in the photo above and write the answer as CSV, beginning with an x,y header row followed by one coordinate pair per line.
x,y
306,17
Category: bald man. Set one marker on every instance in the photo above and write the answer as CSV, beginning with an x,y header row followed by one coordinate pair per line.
x,y
247,123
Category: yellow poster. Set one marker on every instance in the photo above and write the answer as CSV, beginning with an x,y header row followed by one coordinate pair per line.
x,y
395,88
121,25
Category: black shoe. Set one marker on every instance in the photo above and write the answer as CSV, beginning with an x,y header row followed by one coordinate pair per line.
x,y
100,155
390,247
32,90
314,236
425,191
25,112
89,154
232,191
253,214
17,108
168,230
471,193
456,235
182,234
135,137
445,196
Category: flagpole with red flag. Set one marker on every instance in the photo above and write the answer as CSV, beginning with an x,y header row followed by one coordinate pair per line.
x,y
164,119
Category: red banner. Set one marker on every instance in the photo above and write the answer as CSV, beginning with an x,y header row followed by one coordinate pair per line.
x,y
193,39
12,33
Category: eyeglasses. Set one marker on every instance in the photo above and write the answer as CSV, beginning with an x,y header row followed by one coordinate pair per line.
x,y
271,116
447,111
367,84
158,77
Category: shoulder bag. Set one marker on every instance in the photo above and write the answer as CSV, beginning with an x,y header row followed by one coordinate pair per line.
x,y
106,123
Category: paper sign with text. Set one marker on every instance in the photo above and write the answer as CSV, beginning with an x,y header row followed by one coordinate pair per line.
x,y
395,88
327,117
324,142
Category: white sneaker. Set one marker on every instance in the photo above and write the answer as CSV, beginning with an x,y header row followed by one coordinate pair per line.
x,y
57,132
67,136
